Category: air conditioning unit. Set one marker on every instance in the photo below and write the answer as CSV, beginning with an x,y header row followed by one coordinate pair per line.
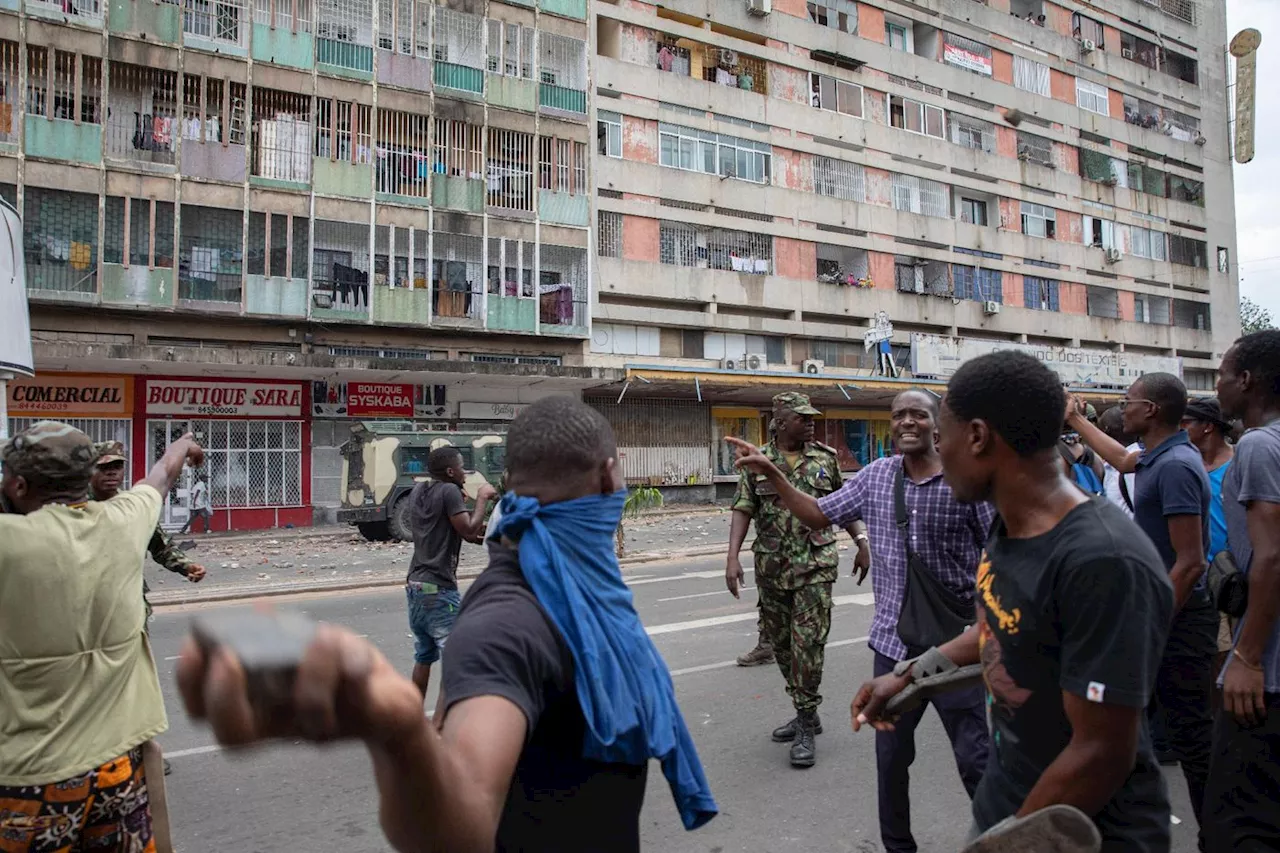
x,y
1087,46
322,300
1166,127
759,7
990,307
1110,180
730,364
1200,139
812,366
728,57
755,361
1114,255
1126,52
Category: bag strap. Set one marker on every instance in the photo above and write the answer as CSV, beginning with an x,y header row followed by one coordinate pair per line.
x,y
900,507
1124,490
1065,453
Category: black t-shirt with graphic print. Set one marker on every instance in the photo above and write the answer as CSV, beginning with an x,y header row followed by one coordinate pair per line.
x,y
1084,608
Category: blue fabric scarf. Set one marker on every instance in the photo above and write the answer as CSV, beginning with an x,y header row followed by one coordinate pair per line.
x,y
567,556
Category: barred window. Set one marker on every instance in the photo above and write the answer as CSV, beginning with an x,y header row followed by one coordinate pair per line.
x,y
10,91
1039,294
1148,180
1185,189
609,234
562,285
340,265
510,50
1038,220
510,267
828,93
403,153
277,245
1092,97
916,275
973,133
839,179
281,135
1188,252
218,20
981,285
714,153
209,112
252,463
144,124
280,13
1036,149
562,61
1103,302
1030,76
60,240
562,165
920,195
457,149
344,130
715,248
1152,309
212,248
608,134
1096,166
404,26
128,232
510,170
458,274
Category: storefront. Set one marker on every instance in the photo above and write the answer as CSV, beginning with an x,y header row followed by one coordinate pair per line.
x,y
100,405
256,437
857,435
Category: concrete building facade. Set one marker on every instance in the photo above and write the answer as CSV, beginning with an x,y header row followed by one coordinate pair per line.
x,y
263,220
778,178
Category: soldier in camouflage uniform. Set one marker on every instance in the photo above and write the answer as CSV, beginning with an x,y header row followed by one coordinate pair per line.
x,y
794,565
108,475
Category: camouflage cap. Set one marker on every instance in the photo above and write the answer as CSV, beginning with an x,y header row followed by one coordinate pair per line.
x,y
795,402
50,450
108,452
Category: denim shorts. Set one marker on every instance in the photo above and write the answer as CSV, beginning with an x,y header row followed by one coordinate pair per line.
x,y
432,612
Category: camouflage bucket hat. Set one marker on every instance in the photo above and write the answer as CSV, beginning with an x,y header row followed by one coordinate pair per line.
x,y
50,450
108,452
794,401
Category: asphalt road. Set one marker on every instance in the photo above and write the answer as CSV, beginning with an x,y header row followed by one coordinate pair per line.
x,y
293,797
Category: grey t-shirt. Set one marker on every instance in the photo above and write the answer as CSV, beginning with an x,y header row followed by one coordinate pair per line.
x,y
435,543
1254,475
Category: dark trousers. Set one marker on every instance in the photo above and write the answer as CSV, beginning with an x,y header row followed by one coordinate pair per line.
x,y
964,716
1184,687
1242,800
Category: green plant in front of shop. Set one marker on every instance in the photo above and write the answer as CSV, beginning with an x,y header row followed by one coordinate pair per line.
x,y
639,500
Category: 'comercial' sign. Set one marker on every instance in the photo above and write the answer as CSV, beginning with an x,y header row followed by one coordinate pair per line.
x,y
941,356
65,395
223,398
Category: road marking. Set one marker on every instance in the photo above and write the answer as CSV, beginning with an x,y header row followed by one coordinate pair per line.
x,y
863,598
173,657
685,576
702,594
195,750
725,664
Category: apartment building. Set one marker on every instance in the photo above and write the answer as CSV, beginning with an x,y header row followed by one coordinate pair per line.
x,y
850,198
262,221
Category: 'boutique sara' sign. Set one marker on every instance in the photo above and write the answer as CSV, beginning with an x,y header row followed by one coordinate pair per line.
x,y
223,399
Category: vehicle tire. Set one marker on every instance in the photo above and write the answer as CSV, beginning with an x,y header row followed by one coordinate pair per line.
x,y
398,520
374,531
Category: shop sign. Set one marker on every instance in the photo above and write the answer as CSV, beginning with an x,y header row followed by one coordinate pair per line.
x,y
938,355
379,400
490,411
223,398
63,395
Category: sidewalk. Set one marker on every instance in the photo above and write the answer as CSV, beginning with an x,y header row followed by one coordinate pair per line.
x,y
285,562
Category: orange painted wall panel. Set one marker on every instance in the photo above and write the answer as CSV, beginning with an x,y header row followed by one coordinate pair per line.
x,y
1111,38
879,187
880,268
1002,67
1058,19
1070,227
1066,157
639,238
794,169
1073,298
1011,215
795,8
1062,86
1011,284
1126,304
870,22
795,258
1115,103
639,140
1006,141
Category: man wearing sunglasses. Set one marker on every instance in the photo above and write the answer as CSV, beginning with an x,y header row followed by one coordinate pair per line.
x,y
1171,504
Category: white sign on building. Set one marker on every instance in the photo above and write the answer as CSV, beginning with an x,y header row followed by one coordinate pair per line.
x,y
490,411
941,356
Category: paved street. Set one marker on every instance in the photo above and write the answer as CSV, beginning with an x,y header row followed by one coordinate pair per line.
x,y
289,798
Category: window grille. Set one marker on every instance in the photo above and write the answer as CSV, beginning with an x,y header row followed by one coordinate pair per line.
x,y
293,15
378,352
510,170
715,248
403,153
562,72
216,20
394,255
510,271
1188,252
1152,309
1092,97
277,245
1031,76
248,463
715,154
60,240
344,24
9,90
973,133
915,275
128,232
609,234
1035,149
1039,220
281,135
828,93
404,27
839,179
510,50
562,165
1103,302
608,134
457,149
143,123
562,285
742,214
210,258
919,195
344,131
340,265
1040,294
457,272
981,285
208,113
458,38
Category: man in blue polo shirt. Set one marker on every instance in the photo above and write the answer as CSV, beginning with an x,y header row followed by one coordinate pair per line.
x,y
1171,505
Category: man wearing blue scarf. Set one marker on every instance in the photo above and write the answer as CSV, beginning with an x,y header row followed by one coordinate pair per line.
x,y
554,698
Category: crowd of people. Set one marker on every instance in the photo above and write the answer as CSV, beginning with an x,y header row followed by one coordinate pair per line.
x,y
1101,610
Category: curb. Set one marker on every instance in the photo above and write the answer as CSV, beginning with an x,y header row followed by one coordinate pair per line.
x,y
161,600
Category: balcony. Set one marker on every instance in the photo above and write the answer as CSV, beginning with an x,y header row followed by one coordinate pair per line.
x,y
281,45
402,305
565,8
137,285
562,69
63,139
344,58
561,98
159,22
275,296
563,208
512,313
142,127
216,26
87,13
460,78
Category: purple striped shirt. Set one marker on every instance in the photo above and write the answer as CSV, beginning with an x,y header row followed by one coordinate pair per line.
x,y
949,537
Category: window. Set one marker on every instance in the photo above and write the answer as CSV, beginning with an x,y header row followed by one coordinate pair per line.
x,y
1031,76
221,20
838,14
828,93
1096,166
1223,263
1188,252
686,245
1039,294
714,153
510,50
729,345
838,179
1102,302
1185,189
919,195
1191,315
625,339
1148,180
895,35
1147,243
1035,149
973,133
916,117
842,265
973,211
1038,220
609,235
1084,27
209,257
982,285
1092,97
404,26
562,165
1100,233
509,169
609,134
1152,309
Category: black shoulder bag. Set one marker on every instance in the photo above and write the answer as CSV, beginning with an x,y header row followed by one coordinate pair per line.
x,y
931,613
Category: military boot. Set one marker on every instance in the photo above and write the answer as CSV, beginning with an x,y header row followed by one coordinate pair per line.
x,y
786,733
804,750
761,654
